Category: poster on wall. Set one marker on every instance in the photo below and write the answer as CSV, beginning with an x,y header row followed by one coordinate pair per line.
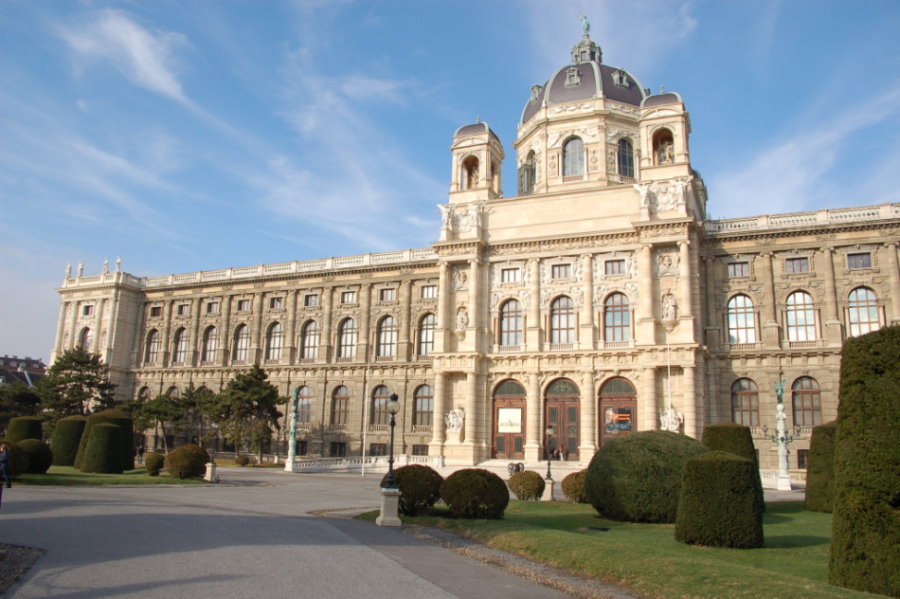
x,y
509,420
618,420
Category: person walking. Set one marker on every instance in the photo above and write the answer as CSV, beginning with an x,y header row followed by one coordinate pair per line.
x,y
4,466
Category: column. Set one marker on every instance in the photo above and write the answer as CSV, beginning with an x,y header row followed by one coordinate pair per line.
x,y
73,327
684,279
894,274
325,347
586,334
533,318
771,333
693,423
533,431
365,302
403,338
713,317
195,332
833,330
445,292
588,416
258,334
475,321
225,335
98,330
165,350
645,326
440,410
60,330
471,421
291,337
648,408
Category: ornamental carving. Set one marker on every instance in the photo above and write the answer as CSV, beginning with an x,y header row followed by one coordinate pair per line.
x,y
667,264
460,277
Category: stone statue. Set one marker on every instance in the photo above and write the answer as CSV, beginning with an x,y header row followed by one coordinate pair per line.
x,y
81,269
670,420
455,419
779,392
585,26
462,319
669,307
105,268
68,270
118,264
644,190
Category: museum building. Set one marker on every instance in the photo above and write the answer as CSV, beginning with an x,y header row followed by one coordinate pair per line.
x,y
597,301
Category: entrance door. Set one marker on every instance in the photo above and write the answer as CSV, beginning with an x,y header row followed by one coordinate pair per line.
x,y
509,421
618,409
562,412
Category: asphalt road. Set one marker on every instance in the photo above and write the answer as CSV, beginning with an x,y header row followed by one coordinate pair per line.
x,y
257,534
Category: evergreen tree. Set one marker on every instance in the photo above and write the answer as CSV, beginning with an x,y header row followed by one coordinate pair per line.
x,y
17,399
247,409
166,410
76,384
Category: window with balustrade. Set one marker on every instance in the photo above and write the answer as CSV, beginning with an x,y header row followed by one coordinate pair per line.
x,y
309,340
387,338
800,317
616,318
745,402
347,338
427,327
340,405
562,320
741,320
423,410
862,312
381,395
151,348
274,341
179,346
241,345
305,398
210,344
807,402
511,323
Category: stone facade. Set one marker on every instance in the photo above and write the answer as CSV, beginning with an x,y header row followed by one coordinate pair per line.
x,y
598,300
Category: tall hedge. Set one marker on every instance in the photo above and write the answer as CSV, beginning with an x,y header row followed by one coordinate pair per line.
x,y
24,427
123,421
18,459
187,461
718,506
737,439
865,536
66,437
39,455
103,451
820,469
638,478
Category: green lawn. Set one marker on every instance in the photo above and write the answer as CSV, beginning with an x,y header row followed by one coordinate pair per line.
x,y
68,476
793,564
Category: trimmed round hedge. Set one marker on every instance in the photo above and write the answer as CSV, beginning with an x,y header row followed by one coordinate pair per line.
x,y
527,485
40,457
820,469
103,451
475,493
420,488
737,439
126,444
66,438
24,427
241,460
154,463
187,461
718,505
573,487
18,459
637,478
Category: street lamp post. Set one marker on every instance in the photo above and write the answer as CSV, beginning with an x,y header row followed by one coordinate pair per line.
x,y
550,431
292,433
390,494
211,466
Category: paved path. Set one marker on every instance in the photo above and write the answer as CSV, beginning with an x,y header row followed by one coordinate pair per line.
x,y
251,536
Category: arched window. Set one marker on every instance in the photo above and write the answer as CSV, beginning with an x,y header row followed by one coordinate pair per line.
x,y
625,158
274,341
423,410
304,404
801,317
86,339
618,404
616,318
210,344
144,394
745,402
807,402
179,346
562,409
309,341
470,173
573,157
387,338
380,398
663,147
346,339
527,175
173,392
151,349
427,326
340,405
511,323
241,343
741,320
562,320
863,312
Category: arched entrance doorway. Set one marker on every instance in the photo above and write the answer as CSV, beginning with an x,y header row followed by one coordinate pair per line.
x,y
618,409
509,420
561,410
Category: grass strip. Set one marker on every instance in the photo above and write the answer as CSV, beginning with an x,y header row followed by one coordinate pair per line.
x,y
69,476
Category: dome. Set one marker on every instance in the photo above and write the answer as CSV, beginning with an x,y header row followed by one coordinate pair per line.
x,y
663,99
586,78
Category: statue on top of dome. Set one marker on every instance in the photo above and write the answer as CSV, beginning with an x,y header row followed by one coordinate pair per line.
x,y
585,26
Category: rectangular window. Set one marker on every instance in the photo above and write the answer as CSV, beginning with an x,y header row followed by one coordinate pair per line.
x,y
429,291
795,265
348,297
560,271
387,295
737,270
338,450
420,450
212,308
302,448
87,310
243,305
859,260
310,300
614,267
377,449
802,458
183,310
510,275
276,303
155,311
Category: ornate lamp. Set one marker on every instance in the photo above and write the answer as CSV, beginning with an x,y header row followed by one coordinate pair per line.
x,y
392,407
550,430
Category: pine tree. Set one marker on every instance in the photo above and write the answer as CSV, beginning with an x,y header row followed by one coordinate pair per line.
x,y
76,384
248,409
17,399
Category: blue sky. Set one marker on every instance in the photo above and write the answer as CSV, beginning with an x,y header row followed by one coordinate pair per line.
x,y
197,135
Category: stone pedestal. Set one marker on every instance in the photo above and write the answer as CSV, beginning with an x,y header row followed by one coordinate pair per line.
x,y
390,501
783,483
549,488
210,474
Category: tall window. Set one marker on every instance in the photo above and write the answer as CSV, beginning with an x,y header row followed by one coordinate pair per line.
x,y
741,320
427,326
387,337
423,412
179,346
304,404
151,351
863,312
562,320
86,339
309,341
807,402
340,405
527,175
511,323
663,147
274,341
347,339
470,173
241,343
380,398
745,402
210,344
625,161
573,157
616,318
801,317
